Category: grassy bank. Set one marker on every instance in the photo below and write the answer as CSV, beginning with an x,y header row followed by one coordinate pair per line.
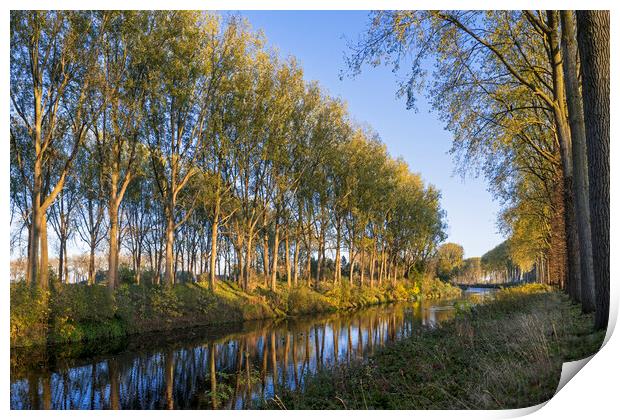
x,y
77,313
504,354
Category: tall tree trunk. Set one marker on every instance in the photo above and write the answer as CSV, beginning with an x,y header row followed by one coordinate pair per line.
x,y
113,251
564,138
318,262
169,267
579,155
44,270
66,265
28,254
372,263
555,266
309,261
238,271
296,263
61,260
337,268
214,229
323,247
248,261
266,272
91,265
287,260
274,258
382,266
33,257
351,261
362,255
139,265
593,39
33,247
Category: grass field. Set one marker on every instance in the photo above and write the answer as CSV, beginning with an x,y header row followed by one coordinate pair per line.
x,y
504,354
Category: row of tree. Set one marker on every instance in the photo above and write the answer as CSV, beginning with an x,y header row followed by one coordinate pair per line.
x,y
180,138
496,266
526,95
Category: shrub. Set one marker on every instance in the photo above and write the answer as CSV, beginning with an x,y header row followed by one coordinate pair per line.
x,y
126,275
434,288
82,312
145,308
302,300
196,298
81,302
147,277
29,314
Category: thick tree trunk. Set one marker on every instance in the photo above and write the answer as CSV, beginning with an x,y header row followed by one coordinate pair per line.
x,y
593,39
579,155
33,247
564,138
555,267
169,268
113,251
33,257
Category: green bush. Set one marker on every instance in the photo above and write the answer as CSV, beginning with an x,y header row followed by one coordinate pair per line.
x,y
81,302
126,275
302,300
81,312
196,298
434,288
29,314
65,330
146,308
147,277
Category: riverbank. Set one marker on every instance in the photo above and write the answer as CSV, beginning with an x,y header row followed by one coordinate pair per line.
x,y
82,313
507,353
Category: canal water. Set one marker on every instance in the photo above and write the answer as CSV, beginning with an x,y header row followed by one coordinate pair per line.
x,y
230,367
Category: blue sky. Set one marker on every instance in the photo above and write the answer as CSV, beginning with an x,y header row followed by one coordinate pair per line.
x,y
318,39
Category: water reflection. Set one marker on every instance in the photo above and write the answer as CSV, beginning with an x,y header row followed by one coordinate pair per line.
x,y
217,370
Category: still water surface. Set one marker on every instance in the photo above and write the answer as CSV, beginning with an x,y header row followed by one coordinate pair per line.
x,y
231,367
